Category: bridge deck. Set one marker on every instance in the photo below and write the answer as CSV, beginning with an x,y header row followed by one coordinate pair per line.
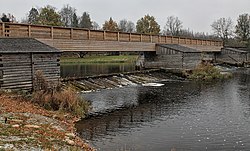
x,y
79,39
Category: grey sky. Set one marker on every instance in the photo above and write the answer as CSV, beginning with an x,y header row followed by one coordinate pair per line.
x,y
196,15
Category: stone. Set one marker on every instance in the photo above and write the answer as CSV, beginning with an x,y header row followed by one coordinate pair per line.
x,y
70,142
32,126
16,126
71,135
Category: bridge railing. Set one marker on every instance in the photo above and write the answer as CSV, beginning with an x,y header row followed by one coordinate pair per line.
x,y
53,32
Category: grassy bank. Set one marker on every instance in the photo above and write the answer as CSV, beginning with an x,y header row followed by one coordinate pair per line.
x,y
100,59
28,126
43,120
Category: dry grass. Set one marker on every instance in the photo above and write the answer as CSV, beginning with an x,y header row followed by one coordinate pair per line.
x,y
206,71
53,97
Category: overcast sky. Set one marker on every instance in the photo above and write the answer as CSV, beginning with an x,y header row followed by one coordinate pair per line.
x,y
196,15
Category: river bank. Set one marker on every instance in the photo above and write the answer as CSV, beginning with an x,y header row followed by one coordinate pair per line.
x,y
26,126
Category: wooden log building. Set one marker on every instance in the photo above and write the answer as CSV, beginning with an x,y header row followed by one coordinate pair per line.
x,y
232,56
172,56
21,58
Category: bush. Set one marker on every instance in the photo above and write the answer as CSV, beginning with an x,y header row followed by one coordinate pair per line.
x,y
58,99
206,71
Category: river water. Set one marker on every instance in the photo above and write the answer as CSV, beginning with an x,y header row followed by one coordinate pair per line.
x,y
181,115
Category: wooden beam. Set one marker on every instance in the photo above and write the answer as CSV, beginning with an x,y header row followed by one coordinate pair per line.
x,y
29,31
118,36
3,29
88,34
32,70
71,33
52,32
104,35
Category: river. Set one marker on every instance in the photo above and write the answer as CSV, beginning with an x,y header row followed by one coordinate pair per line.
x,y
181,115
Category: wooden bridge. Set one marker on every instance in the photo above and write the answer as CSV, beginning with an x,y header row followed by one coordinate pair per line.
x,y
79,39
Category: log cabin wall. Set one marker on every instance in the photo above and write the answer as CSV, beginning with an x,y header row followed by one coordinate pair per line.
x,y
17,71
232,55
173,56
20,58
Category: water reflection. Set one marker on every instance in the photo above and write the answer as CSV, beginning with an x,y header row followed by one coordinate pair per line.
x,y
184,115
80,70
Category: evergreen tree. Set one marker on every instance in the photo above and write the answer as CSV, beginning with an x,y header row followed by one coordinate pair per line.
x,y
5,18
33,16
85,21
75,20
243,27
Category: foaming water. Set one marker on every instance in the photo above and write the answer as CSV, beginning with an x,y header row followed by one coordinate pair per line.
x,y
181,115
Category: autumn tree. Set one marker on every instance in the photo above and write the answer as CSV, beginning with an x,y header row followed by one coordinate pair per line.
x,y
67,14
126,26
147,25
33,16
49,16
85,21
173,26
223,28
110,25
243,27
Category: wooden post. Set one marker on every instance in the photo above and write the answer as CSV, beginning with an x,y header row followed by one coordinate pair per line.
x,y
185,40
179,40
159,39
151,38
29,31
32,70
71,33
141,38
172,39
52,32
88,34
129,37
165,39
118,36
3,29
104,35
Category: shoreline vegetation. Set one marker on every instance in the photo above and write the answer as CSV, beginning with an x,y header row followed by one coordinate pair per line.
x,y
43,120
206,72
24,125
100,59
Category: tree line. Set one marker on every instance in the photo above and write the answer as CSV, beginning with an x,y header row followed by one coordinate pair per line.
x,y
223,28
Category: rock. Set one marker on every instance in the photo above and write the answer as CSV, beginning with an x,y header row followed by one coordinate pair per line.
x,y
15,120
71,135
32,126
70,142
16,126
8,146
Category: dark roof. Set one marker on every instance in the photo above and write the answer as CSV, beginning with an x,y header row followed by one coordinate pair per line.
x,y
180,48
236,50
24,45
